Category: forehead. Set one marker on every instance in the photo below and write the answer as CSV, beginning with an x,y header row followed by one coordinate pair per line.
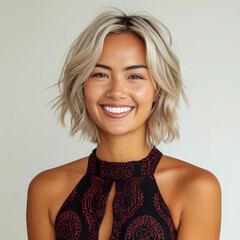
x,y
130,36
124,46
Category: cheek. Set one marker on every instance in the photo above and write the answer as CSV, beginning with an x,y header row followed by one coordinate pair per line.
x,y
91,92
143,95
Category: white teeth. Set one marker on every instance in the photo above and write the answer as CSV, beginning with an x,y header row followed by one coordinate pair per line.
x,y
117,109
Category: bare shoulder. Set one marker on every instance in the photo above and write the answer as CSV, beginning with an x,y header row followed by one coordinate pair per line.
x,y
189,176
193,193
51,179
52,186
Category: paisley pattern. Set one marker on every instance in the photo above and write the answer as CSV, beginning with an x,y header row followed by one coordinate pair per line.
x,y
70,197
144,227
94,204
72,223
139,211
127,201
164,212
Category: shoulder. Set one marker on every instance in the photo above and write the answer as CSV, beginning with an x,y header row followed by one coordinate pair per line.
x,y
46,192
51,186
196,180
201,191
196,198
190,177
50,179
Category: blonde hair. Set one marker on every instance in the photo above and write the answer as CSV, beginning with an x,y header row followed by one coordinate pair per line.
x,y
163,66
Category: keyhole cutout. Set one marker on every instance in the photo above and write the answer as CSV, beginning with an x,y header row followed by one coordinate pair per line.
x,y
105,229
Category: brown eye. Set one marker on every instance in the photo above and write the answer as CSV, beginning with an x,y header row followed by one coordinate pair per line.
x,y
135,77
99,75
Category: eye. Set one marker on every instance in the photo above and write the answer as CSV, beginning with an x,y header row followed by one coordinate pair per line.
x,y
135,77
99,75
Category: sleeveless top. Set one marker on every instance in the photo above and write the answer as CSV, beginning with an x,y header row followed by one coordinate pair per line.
x,y
139,211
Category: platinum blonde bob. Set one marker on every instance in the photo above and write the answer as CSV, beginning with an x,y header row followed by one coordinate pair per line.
x,y
163,66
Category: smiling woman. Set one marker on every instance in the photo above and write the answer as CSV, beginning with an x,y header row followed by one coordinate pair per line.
x,y
121,83
162,64
120,79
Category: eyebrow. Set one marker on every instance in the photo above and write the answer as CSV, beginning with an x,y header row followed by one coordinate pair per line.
x,y
125,69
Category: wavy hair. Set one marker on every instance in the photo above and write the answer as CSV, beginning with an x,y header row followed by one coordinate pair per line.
x,y
163,66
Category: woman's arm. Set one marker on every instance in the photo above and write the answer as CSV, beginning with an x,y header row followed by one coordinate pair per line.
x,y
39,225
201,214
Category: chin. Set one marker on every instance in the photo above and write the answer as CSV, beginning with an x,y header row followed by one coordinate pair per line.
x,y
116,131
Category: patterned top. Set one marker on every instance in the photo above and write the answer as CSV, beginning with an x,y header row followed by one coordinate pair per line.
x,y
139,211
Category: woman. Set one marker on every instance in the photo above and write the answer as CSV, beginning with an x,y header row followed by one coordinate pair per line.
x,y
121,83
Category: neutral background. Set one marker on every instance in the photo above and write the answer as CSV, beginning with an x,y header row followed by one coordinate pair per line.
x,y
35,37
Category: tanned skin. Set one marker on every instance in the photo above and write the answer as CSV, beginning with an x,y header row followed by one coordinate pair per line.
x,y
192,194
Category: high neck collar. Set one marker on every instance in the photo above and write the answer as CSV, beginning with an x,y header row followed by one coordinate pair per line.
x,y
121,170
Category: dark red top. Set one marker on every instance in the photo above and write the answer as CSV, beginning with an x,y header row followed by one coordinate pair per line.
x,y
139,211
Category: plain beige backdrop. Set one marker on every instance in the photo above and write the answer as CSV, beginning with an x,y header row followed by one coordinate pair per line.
x,y
35,37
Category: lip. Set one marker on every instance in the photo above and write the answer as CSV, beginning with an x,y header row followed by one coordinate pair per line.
x,y
115,115
115,105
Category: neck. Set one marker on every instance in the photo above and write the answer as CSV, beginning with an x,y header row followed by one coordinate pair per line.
x,y
124,148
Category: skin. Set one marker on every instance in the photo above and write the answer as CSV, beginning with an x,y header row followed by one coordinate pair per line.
x,y
192,194
118,86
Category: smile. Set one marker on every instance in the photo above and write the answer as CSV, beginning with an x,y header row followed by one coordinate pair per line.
x,y
116,109
116,112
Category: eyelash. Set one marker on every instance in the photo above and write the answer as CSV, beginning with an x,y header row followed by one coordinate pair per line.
x,y
103,74
138,77
96,75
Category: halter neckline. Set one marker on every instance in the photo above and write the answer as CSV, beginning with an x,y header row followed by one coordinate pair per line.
x,y
121,170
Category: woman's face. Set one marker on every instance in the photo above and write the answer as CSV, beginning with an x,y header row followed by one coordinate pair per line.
x,y
119,92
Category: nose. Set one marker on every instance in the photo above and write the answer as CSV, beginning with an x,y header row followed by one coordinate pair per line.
x,y
117,88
